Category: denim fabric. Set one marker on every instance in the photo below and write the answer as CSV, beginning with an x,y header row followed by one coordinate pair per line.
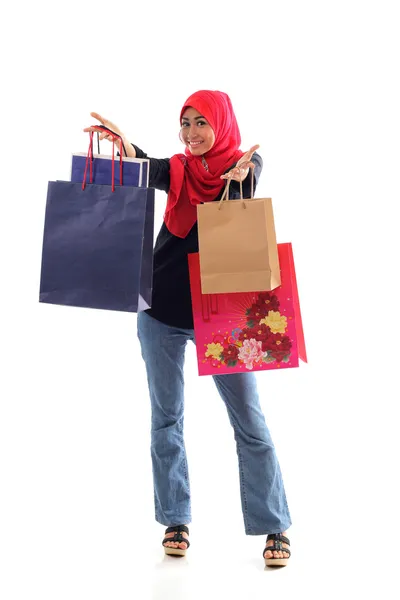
x,y
263,496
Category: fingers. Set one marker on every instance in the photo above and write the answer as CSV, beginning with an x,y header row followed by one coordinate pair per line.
x,y
246,158
250,152
240,172
232,174
103,136
98,117
237,173
254,148
245,164
105,124
247,155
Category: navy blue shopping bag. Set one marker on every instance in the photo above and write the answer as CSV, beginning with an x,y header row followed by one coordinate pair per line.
x,y
98,246
135,171
131,171
101,168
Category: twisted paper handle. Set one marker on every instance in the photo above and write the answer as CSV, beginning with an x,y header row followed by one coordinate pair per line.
x,y
225,195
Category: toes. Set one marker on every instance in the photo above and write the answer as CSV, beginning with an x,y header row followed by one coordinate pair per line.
x,y
181,545
276,553
175,544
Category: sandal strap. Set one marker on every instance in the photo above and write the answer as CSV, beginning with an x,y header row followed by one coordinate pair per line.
x,y
177,528
177,537
277,546
278,537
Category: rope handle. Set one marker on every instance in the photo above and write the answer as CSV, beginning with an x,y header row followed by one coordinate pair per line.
x,y
89,157
104,128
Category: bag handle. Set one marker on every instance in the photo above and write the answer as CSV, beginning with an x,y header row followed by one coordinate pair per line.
x,y
207,306
89,157
225,195
104,128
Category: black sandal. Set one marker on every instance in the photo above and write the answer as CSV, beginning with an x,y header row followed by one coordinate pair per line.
x,y
277,546
178,537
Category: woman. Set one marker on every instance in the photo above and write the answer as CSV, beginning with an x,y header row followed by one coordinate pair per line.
x,y
211,137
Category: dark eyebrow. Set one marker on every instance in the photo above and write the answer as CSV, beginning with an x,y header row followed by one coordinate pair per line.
x,y
186,118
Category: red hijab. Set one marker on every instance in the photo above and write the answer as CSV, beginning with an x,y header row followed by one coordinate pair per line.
x,y
190,182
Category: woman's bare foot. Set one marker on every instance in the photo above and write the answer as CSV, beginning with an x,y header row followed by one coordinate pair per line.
x,y
181,545
277,553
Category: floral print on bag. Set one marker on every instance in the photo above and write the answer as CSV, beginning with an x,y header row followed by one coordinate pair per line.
x,y
256,343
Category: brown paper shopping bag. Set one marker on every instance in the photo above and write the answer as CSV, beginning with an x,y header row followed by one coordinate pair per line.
x,y
237,245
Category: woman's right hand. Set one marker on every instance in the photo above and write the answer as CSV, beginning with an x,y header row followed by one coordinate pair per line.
x,y
130,150
106,123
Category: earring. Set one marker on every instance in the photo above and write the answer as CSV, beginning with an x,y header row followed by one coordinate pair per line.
x,y
182,139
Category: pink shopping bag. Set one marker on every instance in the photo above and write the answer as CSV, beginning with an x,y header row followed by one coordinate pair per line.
x,y
248,331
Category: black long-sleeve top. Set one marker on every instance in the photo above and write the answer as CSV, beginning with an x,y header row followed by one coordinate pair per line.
x,y
171,301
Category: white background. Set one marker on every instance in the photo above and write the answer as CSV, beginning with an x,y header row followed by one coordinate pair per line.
x,y
316,85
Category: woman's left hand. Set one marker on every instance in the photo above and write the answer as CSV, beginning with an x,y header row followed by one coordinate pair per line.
x,y
241,170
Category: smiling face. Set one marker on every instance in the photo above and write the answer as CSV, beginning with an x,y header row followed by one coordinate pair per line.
x,y
196,132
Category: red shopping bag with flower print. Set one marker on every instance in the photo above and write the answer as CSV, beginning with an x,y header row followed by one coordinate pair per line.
x,y
248,331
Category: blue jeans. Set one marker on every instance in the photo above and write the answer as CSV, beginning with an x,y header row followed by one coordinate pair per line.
x,y
263,496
